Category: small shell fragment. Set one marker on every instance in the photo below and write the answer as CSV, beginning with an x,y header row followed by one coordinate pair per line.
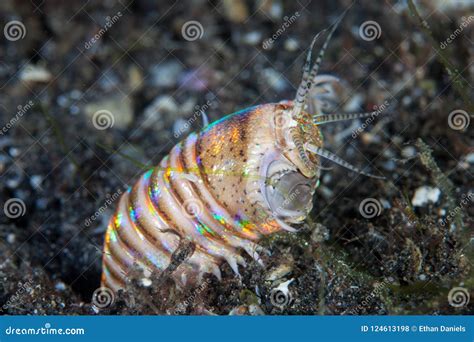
x,y
424,195
279,272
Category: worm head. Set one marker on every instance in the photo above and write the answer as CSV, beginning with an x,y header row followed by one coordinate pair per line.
x,y
291,173
300,136
293,134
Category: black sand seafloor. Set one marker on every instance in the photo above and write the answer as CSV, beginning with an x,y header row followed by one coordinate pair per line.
x,y
61,170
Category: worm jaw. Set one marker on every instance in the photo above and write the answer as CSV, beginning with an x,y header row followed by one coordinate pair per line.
x,y
293,133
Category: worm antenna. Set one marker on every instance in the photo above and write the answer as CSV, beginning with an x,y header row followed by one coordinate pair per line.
x,y
331,156
327,118
305,82
319,59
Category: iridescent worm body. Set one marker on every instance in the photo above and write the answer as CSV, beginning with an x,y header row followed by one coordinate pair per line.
x,y
247,175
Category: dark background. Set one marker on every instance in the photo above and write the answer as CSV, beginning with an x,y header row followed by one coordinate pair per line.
x,y
150,78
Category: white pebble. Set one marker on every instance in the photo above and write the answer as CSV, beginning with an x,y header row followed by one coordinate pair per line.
x,y
36,181
255,310
291,44
252,38
146,282
424,195
11,238
35,74
409,152
470,158
165,74
60,286
274,79
14,151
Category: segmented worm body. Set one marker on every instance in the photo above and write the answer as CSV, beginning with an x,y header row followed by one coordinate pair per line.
x,y
222,188
247,175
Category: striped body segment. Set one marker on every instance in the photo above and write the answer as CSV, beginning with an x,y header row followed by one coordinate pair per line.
x,y
210,189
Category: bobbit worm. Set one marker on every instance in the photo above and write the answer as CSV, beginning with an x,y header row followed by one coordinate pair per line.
x,y
250,174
